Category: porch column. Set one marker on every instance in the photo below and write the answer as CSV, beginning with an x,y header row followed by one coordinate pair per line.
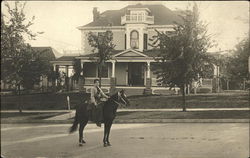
x,y
113,69
148,89
41,83
113,79
148,69
54,80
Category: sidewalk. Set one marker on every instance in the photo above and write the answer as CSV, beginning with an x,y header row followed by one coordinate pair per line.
x,y
67,114
71,113
128,110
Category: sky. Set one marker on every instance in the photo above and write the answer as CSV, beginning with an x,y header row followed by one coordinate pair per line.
x,y
228,21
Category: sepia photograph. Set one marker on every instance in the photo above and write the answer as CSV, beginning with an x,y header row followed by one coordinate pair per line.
x,y
125,79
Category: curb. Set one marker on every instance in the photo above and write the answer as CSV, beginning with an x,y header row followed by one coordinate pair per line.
x,y
184,121
132,110
138,121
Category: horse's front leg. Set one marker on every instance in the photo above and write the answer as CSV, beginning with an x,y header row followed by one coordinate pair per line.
x,y
105,134
108,132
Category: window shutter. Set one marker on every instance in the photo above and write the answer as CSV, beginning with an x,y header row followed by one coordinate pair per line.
x,y
125,41
145,43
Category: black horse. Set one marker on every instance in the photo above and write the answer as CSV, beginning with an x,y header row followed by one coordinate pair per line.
x,y
109,113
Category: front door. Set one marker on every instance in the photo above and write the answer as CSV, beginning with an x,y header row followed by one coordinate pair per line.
x,y
135,74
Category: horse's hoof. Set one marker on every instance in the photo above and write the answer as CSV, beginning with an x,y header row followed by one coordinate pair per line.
x,y
105,145
98,124
108,144
83,142
80,144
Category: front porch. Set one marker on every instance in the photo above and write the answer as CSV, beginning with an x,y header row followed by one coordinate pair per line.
x,y
129,69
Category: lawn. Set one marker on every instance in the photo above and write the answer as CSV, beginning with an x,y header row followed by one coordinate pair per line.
x,y
214,100
241,114
27,117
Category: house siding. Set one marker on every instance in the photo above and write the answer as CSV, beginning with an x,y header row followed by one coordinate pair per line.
x,y
119,40
85,44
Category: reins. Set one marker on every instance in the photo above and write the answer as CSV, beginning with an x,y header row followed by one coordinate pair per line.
x,y
116,101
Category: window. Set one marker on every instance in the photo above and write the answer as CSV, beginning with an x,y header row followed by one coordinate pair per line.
x,y
104,72
140,16
134,40
90,69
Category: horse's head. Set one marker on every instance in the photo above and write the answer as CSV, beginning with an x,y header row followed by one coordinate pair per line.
x,y
122,98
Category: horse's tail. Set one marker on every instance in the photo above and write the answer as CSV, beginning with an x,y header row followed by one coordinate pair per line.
x,y
73,128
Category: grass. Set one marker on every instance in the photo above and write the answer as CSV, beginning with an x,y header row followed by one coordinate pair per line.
x,y
241,114
24,117
229,99
220,100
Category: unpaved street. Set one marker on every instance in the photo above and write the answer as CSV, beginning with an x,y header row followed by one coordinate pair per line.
x,y
171,140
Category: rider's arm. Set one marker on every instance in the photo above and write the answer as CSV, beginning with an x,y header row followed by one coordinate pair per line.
x,y
92,96
103,95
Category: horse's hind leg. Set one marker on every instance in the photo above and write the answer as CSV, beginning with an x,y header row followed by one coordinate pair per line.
x,y
81,134
81,128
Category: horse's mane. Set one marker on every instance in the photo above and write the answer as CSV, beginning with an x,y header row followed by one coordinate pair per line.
x,y
114,96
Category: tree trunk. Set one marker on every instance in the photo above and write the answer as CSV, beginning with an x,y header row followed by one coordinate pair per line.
x,y
183,97
67,83
249,97
19,98
100,76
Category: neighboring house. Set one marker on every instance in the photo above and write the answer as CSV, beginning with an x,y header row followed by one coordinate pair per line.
x,y
133,57
46,53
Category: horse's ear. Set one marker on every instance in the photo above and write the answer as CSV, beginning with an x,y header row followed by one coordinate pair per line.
x,y
122,91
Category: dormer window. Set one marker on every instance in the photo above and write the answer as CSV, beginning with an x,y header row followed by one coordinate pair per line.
x,y
134,39
137,15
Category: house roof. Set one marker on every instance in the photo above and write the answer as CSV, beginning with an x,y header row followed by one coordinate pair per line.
x,y
47,53
148,53
65,58
162,16
95,54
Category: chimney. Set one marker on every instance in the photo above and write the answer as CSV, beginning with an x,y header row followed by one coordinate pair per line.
x,y
96,14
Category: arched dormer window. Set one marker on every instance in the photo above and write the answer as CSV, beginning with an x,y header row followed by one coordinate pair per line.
x,y
134,39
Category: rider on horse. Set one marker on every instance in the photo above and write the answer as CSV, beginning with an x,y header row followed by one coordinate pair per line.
x,y
96,104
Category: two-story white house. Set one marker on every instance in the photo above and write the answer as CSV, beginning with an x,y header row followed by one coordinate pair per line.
x,y
133,57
